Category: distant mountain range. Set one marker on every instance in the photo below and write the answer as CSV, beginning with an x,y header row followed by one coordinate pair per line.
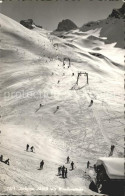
x,y
112,27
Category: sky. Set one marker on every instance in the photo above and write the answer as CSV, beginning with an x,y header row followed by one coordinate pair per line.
x,y
48,13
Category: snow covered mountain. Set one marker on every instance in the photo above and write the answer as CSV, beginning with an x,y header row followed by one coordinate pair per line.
x,y
112,27
33,73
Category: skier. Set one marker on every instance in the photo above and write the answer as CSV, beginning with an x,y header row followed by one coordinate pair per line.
x,y
41,164
58,81
68,159
57,108
91,103
63,170
32,148
112,150
88,163
59,170
1,158
65,173
72,165
27,147
72,74
7,162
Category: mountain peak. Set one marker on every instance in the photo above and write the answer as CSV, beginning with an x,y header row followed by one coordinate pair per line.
x,y
66,25
118,13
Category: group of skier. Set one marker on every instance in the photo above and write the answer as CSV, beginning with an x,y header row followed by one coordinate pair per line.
x,y
31,148
62,170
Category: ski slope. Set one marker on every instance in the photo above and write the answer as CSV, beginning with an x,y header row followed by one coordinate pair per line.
x,y
31,66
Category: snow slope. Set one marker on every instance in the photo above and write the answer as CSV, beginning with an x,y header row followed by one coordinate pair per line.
x,y
112,28
31,66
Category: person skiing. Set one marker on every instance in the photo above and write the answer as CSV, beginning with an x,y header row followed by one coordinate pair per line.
x,y
112,150
1,158
68,159
72,165
88,164
41,164
65,173
32,148
91,103
63,170
59,170
7,162
57,108
27,147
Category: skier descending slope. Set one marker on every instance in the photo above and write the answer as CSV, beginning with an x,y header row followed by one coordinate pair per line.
x,y
41,164
68,159
91,103
59,170
7,162
112,150
32,148
27,147
88,164
65,173
72,165
57,108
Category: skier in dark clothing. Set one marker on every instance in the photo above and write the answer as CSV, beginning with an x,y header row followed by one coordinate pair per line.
x,y
72,165
57,108
59,170
112,150
88,163
41,164
68,159
32,148
7,162
91,103
65,173
27,147
1,158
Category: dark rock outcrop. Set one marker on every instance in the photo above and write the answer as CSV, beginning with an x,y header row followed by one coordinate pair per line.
x,y
66,25
29,24
118,13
